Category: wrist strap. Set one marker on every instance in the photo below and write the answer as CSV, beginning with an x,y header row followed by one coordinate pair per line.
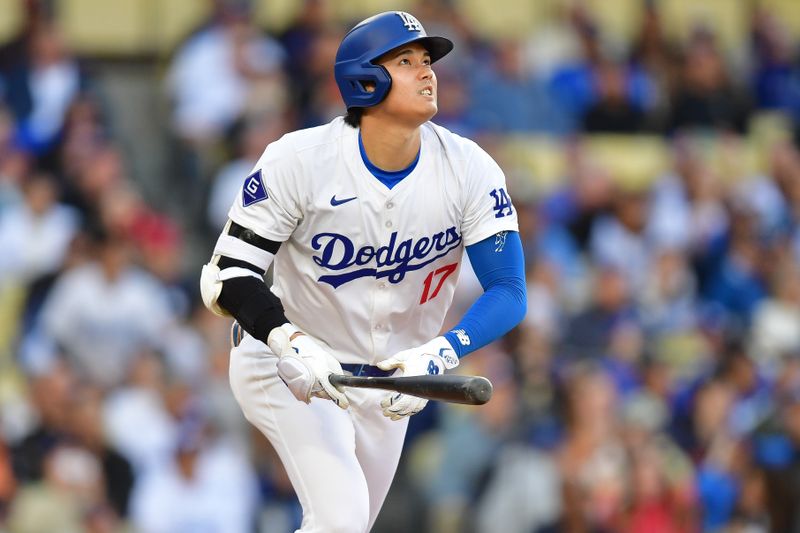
x,y
444,350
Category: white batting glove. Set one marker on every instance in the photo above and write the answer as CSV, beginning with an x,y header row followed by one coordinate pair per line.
x,y
304,366
433,357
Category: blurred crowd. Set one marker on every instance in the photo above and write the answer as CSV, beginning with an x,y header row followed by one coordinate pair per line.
x,y
654,385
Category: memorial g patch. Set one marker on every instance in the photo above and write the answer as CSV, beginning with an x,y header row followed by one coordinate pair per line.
x,y
253,190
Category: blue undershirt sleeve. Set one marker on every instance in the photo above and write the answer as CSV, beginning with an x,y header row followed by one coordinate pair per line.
x,y
499,263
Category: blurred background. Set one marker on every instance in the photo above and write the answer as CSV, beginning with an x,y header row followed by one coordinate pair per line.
x,y
651,149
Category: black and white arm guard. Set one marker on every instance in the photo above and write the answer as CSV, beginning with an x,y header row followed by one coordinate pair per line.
x,y
232,283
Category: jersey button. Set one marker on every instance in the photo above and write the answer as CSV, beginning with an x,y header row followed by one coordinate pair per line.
x,y
381,285
389,205
388,223
378,327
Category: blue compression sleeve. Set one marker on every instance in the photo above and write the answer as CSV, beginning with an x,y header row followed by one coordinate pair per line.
x,y
500,266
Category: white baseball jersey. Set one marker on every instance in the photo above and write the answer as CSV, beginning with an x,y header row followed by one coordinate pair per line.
x,y
365,269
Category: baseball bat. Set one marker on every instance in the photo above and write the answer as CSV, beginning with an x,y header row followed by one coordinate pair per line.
x,y
471,390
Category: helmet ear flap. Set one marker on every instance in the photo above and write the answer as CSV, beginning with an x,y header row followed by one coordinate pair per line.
x,y
357,80
384,84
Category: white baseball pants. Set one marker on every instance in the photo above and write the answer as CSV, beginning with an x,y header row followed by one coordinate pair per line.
x,y
341,463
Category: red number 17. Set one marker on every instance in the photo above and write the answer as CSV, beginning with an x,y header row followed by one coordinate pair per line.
x,y
443,272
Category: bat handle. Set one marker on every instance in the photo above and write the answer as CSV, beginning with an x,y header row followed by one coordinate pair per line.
x,y
338,380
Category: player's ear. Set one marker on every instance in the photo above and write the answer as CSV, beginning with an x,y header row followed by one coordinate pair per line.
x,y
369,86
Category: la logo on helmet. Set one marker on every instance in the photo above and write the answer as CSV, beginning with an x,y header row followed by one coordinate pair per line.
x,y
411,23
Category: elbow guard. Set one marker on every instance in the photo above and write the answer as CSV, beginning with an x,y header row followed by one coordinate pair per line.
x,y
211,279
211,288
239,252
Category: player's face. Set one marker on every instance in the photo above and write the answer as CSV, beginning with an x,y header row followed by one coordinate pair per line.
x,y
413,93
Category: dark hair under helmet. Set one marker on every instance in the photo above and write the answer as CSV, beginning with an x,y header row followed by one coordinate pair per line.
x,y
369,40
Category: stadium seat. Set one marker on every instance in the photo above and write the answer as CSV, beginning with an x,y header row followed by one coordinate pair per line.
x,y
731,157
507,18
633,161
11,19
734,158
101,28
136,27
349,11
728,19
618,20
276,15
536,164
176,19
766,129
12,303
785,11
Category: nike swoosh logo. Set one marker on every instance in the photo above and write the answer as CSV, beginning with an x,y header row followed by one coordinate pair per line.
x,y
335,202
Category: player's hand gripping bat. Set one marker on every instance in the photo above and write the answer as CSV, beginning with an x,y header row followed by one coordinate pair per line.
x,y
471,390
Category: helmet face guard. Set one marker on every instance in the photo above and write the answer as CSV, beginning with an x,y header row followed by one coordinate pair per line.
x,y
368,41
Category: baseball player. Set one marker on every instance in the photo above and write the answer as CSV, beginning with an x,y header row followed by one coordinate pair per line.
x,y
366,220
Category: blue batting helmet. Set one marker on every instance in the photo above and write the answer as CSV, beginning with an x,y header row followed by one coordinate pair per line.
x,y
366,42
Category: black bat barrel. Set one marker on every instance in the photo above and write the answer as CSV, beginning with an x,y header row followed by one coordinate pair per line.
x,y
471,390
